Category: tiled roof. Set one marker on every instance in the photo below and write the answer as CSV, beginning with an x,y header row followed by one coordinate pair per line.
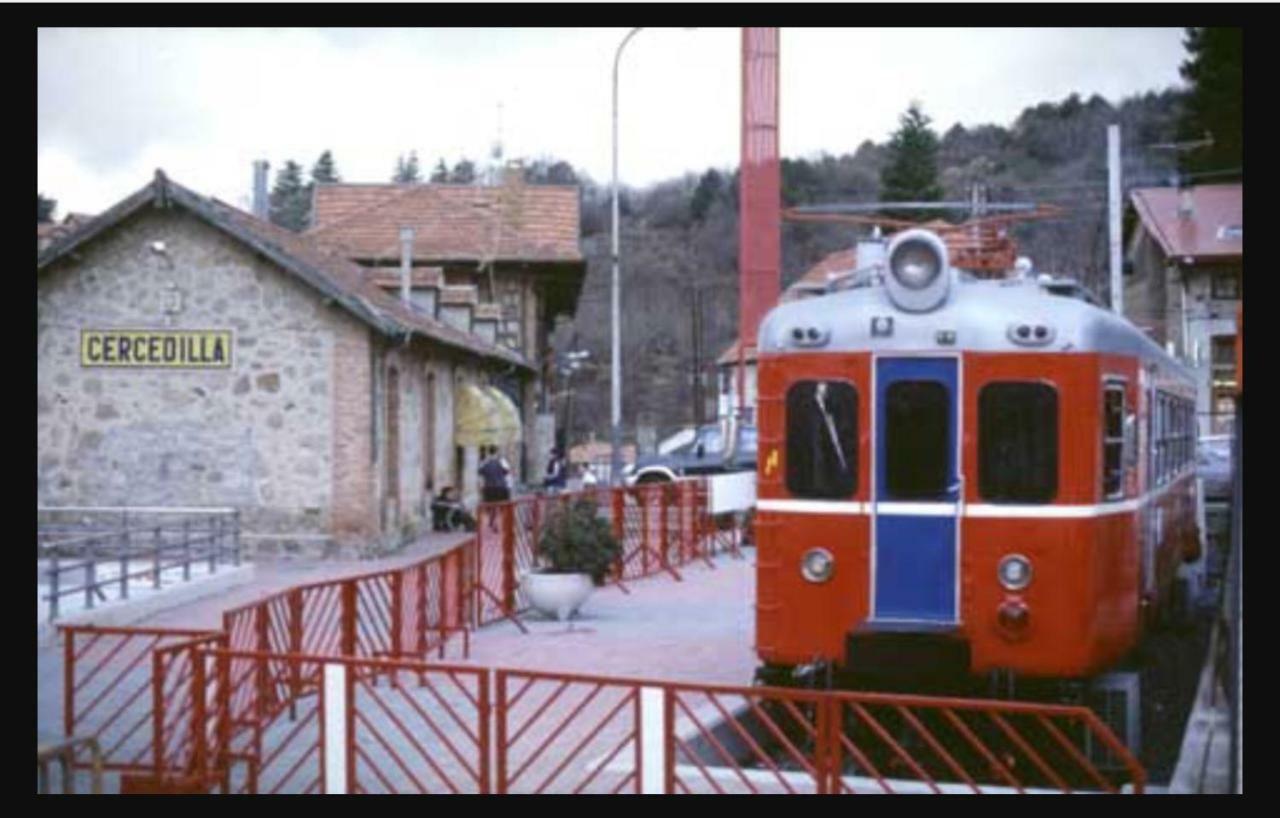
x,y
451,222
321,266
1206,233
817,276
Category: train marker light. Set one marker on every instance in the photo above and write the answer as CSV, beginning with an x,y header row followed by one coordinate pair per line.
x,y
1014,572
817,565
1013,616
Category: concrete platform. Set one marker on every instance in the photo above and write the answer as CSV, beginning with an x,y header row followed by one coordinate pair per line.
x,y
698,630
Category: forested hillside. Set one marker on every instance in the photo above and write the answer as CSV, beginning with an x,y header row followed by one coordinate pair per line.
x,y
681,235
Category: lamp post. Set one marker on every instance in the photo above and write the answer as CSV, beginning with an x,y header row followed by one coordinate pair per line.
x,y
615,365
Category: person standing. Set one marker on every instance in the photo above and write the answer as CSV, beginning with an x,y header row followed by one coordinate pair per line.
x,y
495,486
556,478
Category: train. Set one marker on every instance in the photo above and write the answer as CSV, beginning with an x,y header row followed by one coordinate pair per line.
x,y
965,477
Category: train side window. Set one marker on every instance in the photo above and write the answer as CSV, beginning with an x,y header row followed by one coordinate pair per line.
x,y
1113,437
1018,442
1164,439
822,439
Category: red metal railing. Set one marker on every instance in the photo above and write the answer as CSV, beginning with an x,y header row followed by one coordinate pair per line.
x,y
566,734
661,527
558,733
426,729
111,682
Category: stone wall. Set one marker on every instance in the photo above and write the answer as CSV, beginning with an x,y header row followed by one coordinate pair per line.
x,y
255,435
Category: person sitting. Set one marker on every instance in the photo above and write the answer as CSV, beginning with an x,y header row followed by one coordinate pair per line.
x,y
449,514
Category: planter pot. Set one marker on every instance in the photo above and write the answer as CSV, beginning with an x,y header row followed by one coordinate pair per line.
x,y
556,595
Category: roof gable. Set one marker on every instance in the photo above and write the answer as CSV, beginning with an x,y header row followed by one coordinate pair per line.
x,y
1204,234
322,267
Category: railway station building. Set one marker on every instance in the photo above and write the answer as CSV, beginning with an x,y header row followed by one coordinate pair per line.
x,y
190,354
1184,283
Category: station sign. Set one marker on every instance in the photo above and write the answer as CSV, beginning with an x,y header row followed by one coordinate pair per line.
x,y
156,348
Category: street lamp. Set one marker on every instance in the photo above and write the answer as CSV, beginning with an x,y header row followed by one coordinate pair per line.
x,y
615,374
615,367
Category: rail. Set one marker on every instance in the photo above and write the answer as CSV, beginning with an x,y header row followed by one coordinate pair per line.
x,y
64,754
79,542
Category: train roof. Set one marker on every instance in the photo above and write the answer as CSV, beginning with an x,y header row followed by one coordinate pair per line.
x,y
983,315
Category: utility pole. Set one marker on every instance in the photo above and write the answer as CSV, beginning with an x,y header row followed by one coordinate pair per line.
x,y
1114,208
695,304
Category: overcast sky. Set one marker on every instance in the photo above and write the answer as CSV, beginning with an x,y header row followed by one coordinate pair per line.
x,y
114,105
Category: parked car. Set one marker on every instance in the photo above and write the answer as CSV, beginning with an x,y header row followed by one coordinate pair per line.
x,y
1213,464
705,454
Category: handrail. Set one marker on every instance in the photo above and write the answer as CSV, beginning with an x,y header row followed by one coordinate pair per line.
x,y
211,538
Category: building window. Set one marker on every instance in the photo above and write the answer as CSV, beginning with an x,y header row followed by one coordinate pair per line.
x,y
1018,442
1225,283
1223,384
822,439
917,440
1113,440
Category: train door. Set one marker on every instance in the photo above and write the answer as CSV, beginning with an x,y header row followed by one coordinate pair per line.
x,y
916,490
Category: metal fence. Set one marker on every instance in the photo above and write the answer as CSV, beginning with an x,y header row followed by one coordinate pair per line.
x,y
82,550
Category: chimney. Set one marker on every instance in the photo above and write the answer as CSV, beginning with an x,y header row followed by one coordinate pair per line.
x,y
406,265
513,173
260,189
1186,203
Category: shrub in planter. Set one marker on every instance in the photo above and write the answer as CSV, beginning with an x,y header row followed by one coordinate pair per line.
x,y
575,540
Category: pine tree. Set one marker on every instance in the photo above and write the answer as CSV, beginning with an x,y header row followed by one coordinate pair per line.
x,y
710,187
324,170
463,173
441,173
290,200
407,171
44,209
1215,104
912,172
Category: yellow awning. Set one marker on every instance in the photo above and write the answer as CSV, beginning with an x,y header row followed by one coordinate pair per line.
x,y
483,416
510,415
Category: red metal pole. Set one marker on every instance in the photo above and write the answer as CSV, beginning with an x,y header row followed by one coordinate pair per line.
x,y
421,602
157,712
500,731
68,682
397,614
509,557
348,618
198,733
485,714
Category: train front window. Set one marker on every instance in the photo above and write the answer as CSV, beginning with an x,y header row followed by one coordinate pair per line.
x,y
1018,443
822,439
917,420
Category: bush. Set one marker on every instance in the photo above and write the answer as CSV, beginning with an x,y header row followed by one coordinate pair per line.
x,y
575,540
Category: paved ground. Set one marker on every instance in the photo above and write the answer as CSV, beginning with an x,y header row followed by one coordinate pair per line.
x,y
701,629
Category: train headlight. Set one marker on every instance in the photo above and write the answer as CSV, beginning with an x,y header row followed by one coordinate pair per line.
x,y
918,272
1014,572
915,264
817,565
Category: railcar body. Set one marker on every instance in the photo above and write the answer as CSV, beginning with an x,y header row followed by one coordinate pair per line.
x,y
968,474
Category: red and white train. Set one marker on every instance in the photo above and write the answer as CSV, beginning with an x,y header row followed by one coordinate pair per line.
x,y
965,474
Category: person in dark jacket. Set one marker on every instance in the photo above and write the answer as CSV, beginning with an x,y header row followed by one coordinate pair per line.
x,y
495,484
557,472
